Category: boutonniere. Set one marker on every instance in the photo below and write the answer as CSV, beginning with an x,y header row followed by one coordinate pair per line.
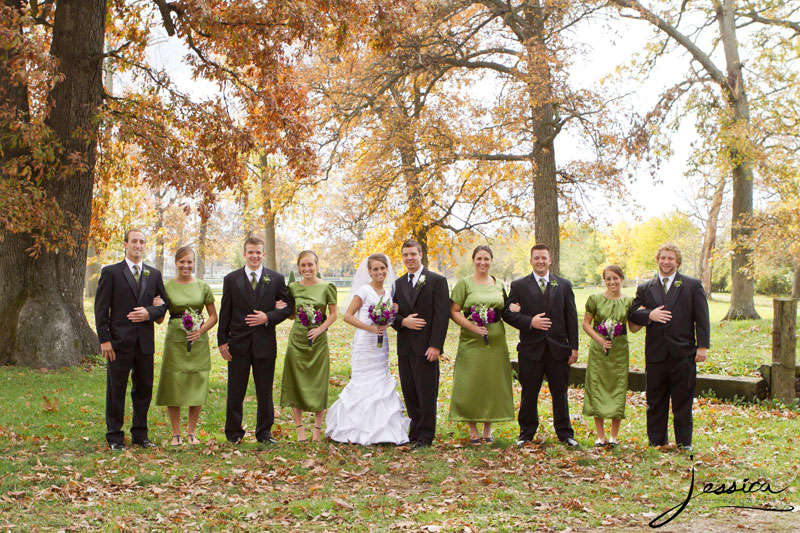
x,y
420,282
265,279
146,273
678,283
554,283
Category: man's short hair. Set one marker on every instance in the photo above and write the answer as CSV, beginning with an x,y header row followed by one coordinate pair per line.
x,y
412,243
255,241
133,230
669,247
540,247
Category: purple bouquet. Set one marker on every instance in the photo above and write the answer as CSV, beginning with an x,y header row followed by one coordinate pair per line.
x,y
381,314
310,317
482,315
191,320
608,329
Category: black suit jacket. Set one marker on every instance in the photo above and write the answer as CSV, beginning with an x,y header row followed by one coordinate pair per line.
x,y
240,300
431,301
117,295
558,304
689,326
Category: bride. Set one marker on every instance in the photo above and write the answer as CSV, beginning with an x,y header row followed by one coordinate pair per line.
x,y
369,410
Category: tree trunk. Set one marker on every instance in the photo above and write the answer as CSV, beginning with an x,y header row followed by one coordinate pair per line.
x,y
544,126
159,231
742,305
42,299
710,237
202,243
93,268
271,251
796,280
545,210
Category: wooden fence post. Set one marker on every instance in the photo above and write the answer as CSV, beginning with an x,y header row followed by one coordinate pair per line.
x,y
784,347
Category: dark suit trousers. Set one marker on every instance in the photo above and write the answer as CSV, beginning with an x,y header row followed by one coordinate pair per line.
x,y
675,379
531,375
419,380
140,368
238,376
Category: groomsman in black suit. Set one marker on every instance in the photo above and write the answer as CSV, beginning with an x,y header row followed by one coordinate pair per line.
x,y
246,337
423,300
124,317
674,309
547,321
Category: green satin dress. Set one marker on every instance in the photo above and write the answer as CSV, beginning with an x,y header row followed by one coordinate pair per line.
x,y
184,375
307,368
482,375
607,375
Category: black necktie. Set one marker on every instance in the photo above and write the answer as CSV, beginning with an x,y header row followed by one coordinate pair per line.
x,y
411,280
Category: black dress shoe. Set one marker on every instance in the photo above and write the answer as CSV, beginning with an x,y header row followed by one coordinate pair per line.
x,y
570,442
522,441
117,447
268,440
144,443
420,444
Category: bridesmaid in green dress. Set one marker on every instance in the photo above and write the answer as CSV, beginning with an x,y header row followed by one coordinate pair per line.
x,y
482,375
184,374
306,368
607,371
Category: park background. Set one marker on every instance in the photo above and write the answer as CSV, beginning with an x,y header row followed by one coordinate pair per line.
x,y
600,128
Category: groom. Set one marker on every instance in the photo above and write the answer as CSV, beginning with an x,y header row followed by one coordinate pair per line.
x,y
124,317
548,343
246,337
423,315
675,311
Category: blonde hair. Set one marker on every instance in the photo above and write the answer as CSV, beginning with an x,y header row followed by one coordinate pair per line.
x,y
669,247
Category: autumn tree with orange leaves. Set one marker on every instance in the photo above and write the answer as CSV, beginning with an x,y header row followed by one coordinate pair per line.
x,y
53,107
454,129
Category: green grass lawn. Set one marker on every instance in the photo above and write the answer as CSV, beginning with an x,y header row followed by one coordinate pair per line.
x,y
57,474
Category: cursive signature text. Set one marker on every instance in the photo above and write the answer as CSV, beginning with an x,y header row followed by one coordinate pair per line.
x,y
745,487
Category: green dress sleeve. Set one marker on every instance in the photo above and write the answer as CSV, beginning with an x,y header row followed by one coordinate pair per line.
x,y
591,305
459,294
208,296
331,295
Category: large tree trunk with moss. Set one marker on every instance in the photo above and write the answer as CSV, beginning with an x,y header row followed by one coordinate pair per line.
x,y
41,299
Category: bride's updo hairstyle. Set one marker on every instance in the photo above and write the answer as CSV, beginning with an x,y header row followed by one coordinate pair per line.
x,y
377,257
305,253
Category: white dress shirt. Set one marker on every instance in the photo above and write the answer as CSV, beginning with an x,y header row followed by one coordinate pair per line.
x,y
670,279
131,264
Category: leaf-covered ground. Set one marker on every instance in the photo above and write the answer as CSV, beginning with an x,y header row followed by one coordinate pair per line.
x,y
57,474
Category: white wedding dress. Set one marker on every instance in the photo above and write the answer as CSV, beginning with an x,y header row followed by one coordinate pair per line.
x,y
369,410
